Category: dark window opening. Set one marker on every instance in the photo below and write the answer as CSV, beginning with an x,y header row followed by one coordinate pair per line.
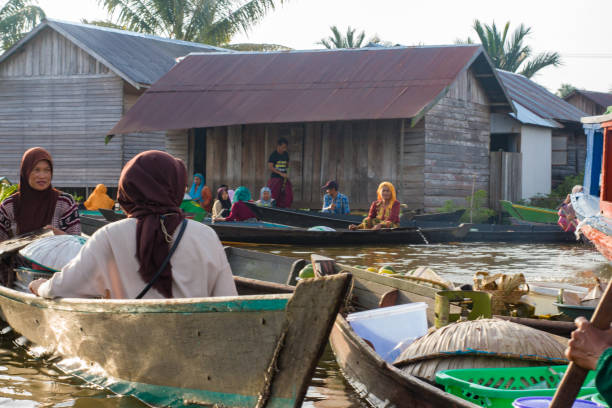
x,y
199,151
506,142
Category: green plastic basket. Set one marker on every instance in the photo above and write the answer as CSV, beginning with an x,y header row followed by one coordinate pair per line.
x,y
499,387
600,400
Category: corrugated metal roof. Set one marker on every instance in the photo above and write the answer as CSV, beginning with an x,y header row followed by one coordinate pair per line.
x,y
138,58
526,116
537,99
597,119
304,86
601,98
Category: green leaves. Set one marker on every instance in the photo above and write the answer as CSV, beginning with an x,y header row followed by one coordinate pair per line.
x,y
510,54
212,22
17,17
6,190
350,40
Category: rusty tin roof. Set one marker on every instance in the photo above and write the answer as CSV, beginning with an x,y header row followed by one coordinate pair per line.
x,y
207,90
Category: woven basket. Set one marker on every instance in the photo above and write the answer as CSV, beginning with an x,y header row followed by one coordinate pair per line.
x,y
490,343
504,289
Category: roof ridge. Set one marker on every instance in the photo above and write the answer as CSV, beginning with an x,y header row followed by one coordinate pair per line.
x,y
323,50
133,33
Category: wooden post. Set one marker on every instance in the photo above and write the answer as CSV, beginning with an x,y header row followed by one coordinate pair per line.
x,y
574,376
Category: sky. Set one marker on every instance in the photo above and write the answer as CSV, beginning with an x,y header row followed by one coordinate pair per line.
x,y
577,29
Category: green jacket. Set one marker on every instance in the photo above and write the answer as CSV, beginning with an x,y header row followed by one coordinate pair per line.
x,y
603,380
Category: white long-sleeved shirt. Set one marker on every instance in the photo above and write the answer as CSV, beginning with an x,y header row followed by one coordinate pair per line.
x,y
107,266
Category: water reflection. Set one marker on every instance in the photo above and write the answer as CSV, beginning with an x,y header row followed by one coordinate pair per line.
x,y
458,262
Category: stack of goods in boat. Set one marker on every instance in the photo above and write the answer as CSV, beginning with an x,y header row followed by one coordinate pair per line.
x,y
506,291
45,256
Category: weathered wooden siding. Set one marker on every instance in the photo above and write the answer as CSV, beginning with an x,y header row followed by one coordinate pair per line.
x,y
69,116
51,54
576,154
412,191
134,143
505,181
586,105
358,154
457,138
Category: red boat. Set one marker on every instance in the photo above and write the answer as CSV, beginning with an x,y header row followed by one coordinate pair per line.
x,y
598,228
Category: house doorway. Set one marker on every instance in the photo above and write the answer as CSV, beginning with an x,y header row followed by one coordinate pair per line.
x,y
199,151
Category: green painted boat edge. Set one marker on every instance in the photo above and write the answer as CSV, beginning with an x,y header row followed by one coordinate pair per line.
x,y
163,396
529,213
253,303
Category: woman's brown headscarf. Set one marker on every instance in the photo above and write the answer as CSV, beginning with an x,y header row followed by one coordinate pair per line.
x,y
152,186
34,209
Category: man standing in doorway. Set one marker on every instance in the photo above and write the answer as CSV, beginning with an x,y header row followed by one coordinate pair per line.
x,y
279,183
333,201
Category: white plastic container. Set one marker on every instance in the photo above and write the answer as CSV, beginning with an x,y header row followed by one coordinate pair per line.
x,y
391,329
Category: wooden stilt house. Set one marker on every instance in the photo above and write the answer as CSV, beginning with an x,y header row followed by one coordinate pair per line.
x,y
63,87
416,116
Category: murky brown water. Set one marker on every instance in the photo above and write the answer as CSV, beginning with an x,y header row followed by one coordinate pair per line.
x,y
26,382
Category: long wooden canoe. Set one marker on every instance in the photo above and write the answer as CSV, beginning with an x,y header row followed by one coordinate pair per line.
x,y
532,234
307,219
241,351
265,233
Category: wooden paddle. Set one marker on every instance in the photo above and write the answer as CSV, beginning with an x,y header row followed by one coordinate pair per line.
x,y
574,376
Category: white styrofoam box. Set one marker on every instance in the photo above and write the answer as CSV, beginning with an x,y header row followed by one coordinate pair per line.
x,y
389,327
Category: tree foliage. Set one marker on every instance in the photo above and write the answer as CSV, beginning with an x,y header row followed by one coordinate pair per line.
x,y
17,17
212,22
351,39
565,89
510,53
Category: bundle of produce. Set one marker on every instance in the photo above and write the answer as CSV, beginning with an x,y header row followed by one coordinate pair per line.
x,y
482,343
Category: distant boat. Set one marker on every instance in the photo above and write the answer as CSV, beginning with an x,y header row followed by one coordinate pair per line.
x,y
529,213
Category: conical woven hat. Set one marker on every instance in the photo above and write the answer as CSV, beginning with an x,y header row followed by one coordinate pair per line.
x,y
480,343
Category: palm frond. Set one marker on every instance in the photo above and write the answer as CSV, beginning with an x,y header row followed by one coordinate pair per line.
x,y
240,19
15,22
136,15
540,61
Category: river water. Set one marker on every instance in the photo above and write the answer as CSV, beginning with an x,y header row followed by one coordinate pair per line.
x,y
28,382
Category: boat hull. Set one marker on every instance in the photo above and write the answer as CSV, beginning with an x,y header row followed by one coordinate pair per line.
x,y
532,214
202,351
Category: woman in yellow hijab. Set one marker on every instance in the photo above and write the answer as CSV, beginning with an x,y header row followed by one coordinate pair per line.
x,y
384,212
99,199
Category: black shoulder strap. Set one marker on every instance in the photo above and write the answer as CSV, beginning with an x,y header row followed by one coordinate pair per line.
x,y
163,265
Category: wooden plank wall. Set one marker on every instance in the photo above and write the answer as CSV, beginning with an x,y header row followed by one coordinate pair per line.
x,y
413,179
586,105
359,155
134,143
69,116
457,138
51,54
576,154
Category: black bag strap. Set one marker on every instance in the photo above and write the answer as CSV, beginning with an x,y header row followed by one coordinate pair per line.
x,y
163,265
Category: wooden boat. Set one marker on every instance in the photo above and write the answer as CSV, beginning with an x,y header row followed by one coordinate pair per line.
x,y
260,233
529,213
527,233
597,228
380,383
242,351
266,233
307,219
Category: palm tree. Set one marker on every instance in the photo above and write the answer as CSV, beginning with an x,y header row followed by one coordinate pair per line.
x,y
350,40
17,17
511,54
207,21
